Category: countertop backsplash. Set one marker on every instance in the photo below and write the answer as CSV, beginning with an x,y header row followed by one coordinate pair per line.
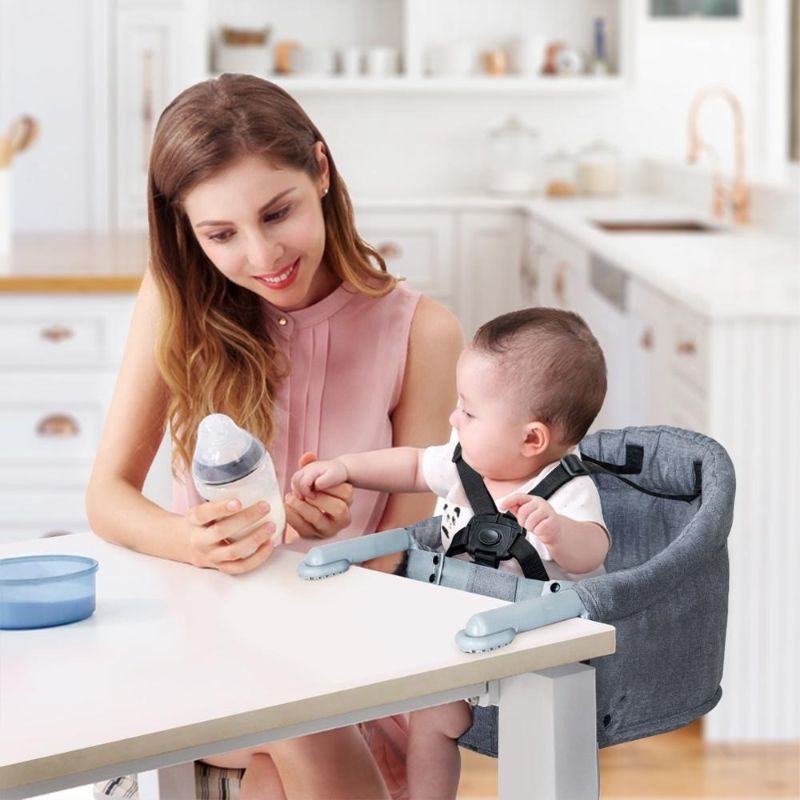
x,y
775,198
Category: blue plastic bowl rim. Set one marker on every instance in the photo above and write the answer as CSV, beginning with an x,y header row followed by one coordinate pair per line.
x,y
90,568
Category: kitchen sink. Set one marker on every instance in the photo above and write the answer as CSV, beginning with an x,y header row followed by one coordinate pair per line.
x,y
654,226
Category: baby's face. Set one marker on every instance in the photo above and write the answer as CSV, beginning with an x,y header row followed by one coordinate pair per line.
x,y
490,425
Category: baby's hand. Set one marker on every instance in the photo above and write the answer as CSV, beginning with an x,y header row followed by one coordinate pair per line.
x,y
535,515
318,475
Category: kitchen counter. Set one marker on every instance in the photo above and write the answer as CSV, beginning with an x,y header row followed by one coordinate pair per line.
x,y
74,262
733,273
728,272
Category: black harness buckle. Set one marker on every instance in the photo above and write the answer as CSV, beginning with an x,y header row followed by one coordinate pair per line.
x,y
489,538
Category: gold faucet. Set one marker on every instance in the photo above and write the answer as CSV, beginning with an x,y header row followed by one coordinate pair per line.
x,y
738,196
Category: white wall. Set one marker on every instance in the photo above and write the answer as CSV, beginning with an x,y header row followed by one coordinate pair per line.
x,y
56,65
435,142
52,60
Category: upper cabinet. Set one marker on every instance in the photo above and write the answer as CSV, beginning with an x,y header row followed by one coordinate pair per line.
x,y
418,45
54,66
160,48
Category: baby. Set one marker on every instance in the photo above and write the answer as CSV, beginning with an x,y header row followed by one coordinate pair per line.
x,y
529,385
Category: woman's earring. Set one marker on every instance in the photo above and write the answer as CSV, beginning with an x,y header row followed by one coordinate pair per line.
x,y
325,191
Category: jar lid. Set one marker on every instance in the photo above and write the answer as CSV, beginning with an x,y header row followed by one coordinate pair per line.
x,y
513,126
559,155
599,147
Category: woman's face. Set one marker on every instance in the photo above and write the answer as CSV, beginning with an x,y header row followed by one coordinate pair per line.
x,y
262,227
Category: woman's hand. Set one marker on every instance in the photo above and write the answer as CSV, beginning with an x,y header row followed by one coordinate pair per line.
x,y
213,531
320,516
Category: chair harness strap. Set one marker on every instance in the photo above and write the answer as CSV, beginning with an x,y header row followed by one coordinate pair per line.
x,y
491,537
634,460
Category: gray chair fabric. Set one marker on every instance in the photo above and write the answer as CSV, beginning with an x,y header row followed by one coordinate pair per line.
x,y
665,588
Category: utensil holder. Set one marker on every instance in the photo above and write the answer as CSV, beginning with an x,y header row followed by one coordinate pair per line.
x,y
5,211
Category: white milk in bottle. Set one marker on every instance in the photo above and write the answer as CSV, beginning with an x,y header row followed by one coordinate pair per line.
x,y
230,462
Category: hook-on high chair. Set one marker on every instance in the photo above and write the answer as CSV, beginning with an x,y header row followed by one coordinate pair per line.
x,y
667,497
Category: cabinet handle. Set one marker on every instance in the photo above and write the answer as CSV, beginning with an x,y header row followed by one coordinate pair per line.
x,y
686,347
647,340
528,276
57,426
147,105
559,287
56,333
389,250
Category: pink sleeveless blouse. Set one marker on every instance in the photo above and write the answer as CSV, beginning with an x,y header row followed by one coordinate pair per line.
x,y
347,357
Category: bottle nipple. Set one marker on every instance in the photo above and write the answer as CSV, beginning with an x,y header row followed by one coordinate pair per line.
x,y
220,440
224,452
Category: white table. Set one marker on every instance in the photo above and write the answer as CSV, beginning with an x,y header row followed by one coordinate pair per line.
x,y
178,663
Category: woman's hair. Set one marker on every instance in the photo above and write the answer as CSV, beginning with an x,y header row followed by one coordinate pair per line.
x,y
553,363
214,348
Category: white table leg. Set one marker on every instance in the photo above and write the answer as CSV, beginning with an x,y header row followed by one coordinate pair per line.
x,y
548,738
168,783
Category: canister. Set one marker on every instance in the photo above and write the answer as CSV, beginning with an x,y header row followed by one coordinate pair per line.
x,y
514,162
598,169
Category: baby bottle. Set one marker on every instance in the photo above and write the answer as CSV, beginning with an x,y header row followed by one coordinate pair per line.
x,y
230,462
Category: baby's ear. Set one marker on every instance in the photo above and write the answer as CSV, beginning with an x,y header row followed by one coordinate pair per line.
x,y
537,439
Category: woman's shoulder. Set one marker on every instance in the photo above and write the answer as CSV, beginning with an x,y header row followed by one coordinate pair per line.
x,y
433,322
405,308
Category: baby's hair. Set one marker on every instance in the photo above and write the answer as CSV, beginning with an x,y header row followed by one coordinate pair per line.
x,y
553,362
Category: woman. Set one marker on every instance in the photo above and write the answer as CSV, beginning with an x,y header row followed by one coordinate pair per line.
x,y
261,302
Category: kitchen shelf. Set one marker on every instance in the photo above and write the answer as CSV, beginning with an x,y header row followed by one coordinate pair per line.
x,y
441,46
402,84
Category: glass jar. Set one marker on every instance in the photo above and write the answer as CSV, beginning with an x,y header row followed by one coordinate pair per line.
x,y
514,162
559,175
598,170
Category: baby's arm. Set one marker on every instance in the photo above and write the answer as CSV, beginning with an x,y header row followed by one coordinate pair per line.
x,y
574,545
395,469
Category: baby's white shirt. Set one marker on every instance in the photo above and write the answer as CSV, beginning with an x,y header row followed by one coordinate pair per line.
x,y
578,499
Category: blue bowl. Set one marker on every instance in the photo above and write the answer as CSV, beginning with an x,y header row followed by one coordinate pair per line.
x,y
46,590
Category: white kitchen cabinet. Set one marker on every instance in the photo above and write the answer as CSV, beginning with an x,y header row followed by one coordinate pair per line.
x,y
466,260
438,46
647,342
656,351
489,254
54,65
558,272
57,382
606,312
534,244
160,50
737,380
668,347
562,273
734,378
417,245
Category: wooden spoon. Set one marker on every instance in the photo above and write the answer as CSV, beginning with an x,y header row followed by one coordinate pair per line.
x,y
6,154
22,133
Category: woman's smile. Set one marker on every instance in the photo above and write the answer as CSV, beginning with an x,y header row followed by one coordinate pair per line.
x,y
281,279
